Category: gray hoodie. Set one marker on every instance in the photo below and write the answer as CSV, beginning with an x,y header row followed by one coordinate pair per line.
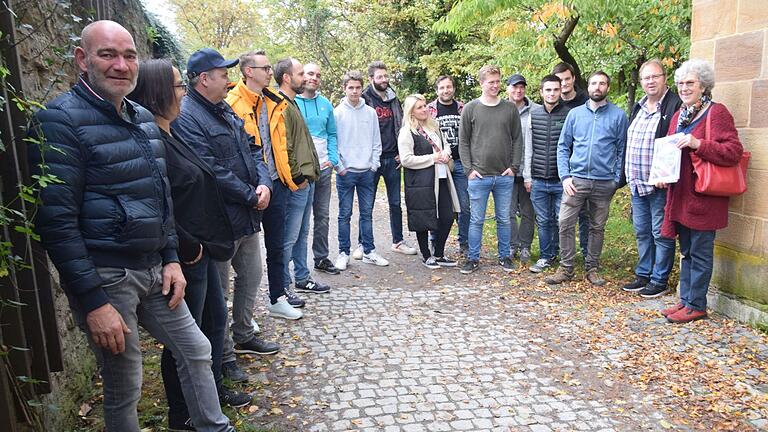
x,y
358,137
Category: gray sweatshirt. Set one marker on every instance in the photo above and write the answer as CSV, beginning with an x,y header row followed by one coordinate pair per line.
x,y
359,140
490,138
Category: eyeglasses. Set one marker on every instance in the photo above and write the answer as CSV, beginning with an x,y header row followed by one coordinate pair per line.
x,y
182,86
652,77
689,84
266,68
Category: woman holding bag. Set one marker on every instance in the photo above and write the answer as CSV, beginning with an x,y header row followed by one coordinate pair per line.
x,y
710,135
430,196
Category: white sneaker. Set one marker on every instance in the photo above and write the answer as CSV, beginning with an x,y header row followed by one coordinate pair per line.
x,y
373,258
342,261
282,309
357,253
403,248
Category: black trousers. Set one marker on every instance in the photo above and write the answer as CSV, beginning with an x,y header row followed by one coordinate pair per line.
x,y
444,223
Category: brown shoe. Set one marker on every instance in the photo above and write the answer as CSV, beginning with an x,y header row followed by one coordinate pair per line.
x,y
594,277
686,315
561,275
670,310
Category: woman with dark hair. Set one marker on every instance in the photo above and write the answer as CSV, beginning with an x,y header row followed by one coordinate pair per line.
x,y
205,235
710,134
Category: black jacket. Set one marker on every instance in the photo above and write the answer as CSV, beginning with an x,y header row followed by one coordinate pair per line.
x,y
545,132
390,115
420,190
112,207
201,216
669,106
217,135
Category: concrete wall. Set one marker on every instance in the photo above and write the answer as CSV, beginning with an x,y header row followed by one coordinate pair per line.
x,y
733,34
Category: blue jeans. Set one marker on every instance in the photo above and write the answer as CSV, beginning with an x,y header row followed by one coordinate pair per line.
x,y
297,214
546,196
390,170
697,248
205,301
137,296
656,254
345,188
460,182
479,190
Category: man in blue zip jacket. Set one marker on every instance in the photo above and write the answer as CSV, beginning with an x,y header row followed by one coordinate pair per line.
x,y
589,162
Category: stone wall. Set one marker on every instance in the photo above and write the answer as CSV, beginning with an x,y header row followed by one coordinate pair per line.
x,y
733,34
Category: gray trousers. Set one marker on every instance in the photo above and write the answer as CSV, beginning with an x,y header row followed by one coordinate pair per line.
x,y
248,270
597,194
137,296
320,215
522,232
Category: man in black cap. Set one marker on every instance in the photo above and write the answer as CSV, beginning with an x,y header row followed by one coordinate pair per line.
x,y
521,235
216,133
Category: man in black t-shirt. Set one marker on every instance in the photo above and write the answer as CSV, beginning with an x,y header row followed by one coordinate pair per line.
x,y
447,111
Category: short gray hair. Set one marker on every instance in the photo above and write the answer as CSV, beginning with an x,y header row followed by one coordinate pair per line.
x,y
702,69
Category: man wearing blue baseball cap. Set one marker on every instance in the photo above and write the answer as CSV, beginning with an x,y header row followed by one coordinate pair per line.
x,y
216,133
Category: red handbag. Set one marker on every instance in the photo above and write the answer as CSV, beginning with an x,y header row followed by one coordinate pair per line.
x,y
718,180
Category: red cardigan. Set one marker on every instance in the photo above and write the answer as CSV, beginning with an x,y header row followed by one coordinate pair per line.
x,y
684,205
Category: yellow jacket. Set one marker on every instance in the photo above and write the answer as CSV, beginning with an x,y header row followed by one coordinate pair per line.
x,y
247,105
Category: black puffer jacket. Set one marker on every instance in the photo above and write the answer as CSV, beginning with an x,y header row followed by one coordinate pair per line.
x,y
420,190
113,206
545,132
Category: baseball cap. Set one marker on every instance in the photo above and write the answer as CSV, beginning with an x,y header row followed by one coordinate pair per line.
x,y
516,79
206,59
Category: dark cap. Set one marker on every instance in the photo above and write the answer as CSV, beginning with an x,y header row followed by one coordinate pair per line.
x,y
206,59
516,79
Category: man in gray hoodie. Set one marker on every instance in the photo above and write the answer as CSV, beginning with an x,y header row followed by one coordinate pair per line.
x,y
359,145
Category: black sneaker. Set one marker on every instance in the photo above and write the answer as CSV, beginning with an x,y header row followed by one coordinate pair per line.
x,y
293,299
256,346
446,262
232,372
636,285
311,286
507,264
469,266
653,290
233,398
326,266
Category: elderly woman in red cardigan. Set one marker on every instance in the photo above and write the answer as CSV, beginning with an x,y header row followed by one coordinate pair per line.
x,y
689,215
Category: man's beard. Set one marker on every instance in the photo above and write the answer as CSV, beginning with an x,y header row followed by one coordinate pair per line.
x,y
381,87
298,89
599,98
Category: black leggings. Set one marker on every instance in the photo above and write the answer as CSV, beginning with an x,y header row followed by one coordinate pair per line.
x,y
444,223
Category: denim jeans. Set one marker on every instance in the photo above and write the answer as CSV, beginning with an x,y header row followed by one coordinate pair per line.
x,y
479,190
321,205
248,270
697,248
297,213
345,188
656,254
137,296
205,301
390,170
521,235
546,196
597,194
460,182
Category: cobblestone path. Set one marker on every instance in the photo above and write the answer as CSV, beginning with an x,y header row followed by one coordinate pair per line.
x,y
406,348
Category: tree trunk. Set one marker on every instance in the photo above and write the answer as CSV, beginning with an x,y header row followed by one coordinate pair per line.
x,y
564,53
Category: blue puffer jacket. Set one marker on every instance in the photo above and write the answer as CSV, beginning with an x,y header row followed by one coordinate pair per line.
x,y
217,135
113,207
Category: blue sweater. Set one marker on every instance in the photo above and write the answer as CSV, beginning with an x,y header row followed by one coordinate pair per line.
x,y
592,143
318,114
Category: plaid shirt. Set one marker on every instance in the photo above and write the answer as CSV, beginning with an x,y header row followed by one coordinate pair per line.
x,y
640,138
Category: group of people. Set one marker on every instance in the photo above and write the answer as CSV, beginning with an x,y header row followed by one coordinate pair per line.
x,y
167,185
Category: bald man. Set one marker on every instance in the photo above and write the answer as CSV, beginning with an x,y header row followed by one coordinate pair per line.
x,y
108,228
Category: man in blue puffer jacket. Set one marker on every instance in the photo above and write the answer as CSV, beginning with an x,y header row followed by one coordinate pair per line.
x,y
108,228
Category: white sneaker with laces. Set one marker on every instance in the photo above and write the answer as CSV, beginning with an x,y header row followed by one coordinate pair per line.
x,y
282,309
403,248
357,253
373,258
342,261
